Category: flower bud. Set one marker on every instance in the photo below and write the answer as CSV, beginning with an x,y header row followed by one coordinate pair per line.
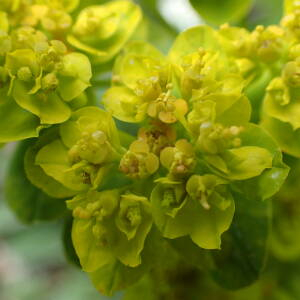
x,y
269,42
179,160
291,73
279,91
130,215
24,74
215,138
50,82
204,189
56,21
157,137
138,162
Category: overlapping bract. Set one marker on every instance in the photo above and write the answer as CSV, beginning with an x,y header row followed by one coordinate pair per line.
x,y
43,76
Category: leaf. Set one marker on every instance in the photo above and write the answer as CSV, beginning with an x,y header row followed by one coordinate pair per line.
x,y
219,12
191,253
287,138
119,21
50,108
271,180
91,256
124,104
289,113
139,48
28,202
116,276
17,123
53,159
191,40
247,162
204,226
242,257
74,76
36,174
232,110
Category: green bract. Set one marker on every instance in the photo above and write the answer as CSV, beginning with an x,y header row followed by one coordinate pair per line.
x,y
203,209
281,107
39,78
109,226
102,30
143,87
88,146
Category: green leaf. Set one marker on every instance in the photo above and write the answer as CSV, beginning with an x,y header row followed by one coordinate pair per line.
x,y
191,253
191,40
53,159
75,75
116,276
289,113
50,108
247,162
124,104
242,257
232,109
271,180
28,202
139,48
284,241
119,20
204,226
287,138
17,123
255,155
219,12
36,174
91,256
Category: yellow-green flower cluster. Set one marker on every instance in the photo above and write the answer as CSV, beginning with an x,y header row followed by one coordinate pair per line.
x,y
172,148
43,75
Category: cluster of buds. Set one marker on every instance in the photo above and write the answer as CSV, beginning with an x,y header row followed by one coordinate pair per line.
x,y
215,138
39,68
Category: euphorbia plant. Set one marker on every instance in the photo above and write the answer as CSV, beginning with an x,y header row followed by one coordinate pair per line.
x,y
173,168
